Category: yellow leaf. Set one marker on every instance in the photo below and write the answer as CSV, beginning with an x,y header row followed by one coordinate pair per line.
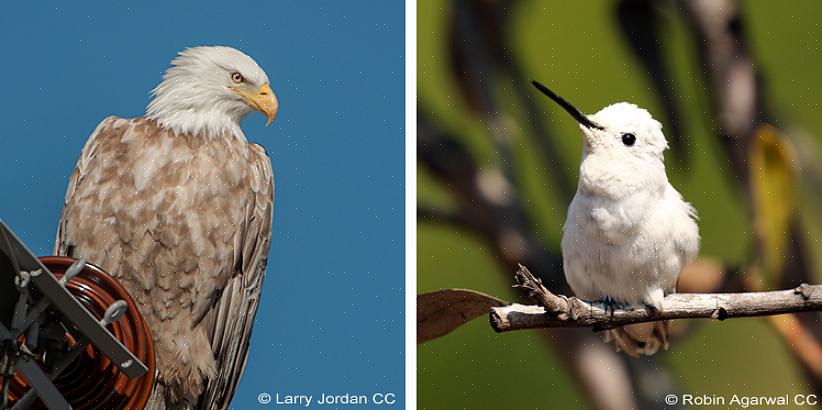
x,y
773,179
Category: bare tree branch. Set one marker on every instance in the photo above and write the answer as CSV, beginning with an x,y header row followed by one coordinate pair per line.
x,y
562,311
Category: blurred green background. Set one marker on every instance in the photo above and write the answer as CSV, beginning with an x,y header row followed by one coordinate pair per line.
x,y
576,48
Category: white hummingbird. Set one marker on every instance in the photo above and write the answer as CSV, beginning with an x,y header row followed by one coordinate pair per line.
x,y
628,232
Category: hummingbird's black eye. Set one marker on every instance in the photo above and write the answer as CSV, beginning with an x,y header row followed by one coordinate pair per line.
x,y
628,139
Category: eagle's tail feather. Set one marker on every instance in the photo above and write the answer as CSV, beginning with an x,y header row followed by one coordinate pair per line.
x,y
639,339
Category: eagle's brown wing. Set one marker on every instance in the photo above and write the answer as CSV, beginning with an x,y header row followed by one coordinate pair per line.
x,y
111,124
229,323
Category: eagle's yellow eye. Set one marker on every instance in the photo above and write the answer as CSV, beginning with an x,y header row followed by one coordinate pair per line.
x,y
237,78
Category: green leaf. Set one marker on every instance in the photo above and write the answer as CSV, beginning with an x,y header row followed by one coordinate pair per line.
x,y
442,311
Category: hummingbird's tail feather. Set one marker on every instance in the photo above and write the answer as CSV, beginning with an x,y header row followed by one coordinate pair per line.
x,y
639,339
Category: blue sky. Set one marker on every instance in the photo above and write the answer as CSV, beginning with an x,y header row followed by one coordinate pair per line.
x,y
331,319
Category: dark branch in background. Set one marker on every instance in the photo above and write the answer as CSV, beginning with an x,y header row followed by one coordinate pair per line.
x,y
735,86
432,214
562,311
487,205
640,22
480,53
474,69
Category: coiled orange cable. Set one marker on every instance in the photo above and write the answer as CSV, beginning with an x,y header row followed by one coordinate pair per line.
x,y
92,381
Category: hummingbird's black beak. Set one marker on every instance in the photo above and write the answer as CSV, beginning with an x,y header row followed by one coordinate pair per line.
x,y
579,116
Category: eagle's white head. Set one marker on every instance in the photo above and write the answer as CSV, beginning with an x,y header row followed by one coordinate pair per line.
x,y
209,90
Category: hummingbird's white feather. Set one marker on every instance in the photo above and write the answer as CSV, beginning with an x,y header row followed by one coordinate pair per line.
x,y
630,249
628,232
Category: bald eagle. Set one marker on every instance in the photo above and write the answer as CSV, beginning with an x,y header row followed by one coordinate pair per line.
x,y
177,205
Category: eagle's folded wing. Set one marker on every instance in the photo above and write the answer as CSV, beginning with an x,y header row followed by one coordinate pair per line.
x,y
228,324
103,131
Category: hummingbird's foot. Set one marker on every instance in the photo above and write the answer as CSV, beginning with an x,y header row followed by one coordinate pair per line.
x,y
610,306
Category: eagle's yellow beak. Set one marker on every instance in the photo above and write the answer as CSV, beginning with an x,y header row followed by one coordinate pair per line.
x,y
262,99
